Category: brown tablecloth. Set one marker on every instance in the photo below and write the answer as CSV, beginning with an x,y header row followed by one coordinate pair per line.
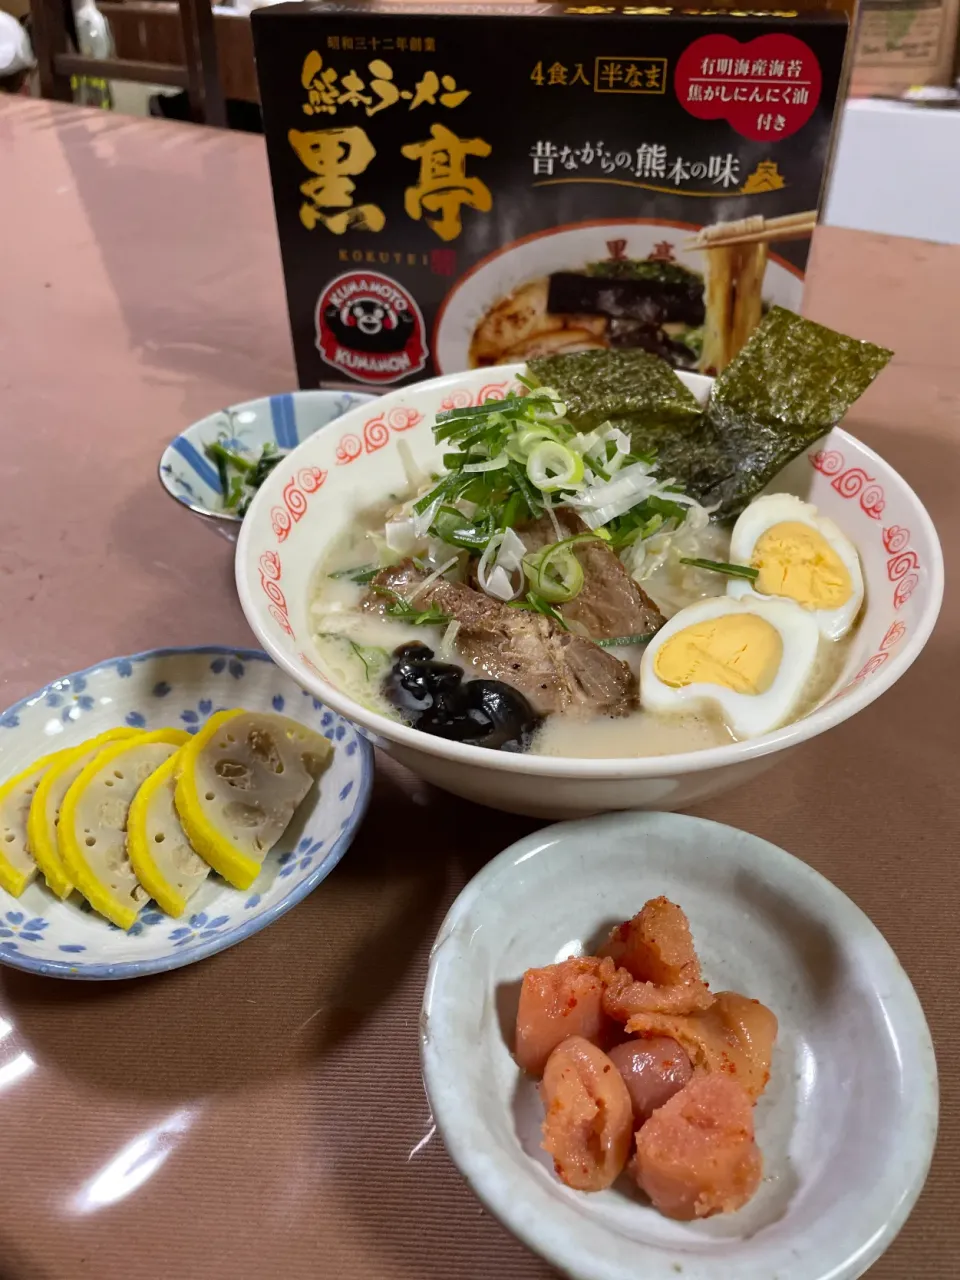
x,y
261,1114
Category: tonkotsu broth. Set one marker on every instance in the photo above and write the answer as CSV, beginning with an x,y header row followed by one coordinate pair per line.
x,y
338,619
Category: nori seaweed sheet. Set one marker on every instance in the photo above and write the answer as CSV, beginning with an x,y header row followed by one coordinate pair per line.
x,y
788,386
600,385
651,301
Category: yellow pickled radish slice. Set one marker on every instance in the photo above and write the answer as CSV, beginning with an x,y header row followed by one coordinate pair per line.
x,y
18,867
92,833
48,797
240,781
159,850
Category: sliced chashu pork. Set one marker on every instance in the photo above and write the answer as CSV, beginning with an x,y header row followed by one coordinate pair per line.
x,y
609,603
556,670
241,779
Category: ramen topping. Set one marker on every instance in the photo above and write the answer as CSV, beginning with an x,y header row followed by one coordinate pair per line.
x,y
610,603
556,670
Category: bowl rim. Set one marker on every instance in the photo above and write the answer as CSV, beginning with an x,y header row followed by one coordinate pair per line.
x,y
909,1017
122,969
306,393
826,716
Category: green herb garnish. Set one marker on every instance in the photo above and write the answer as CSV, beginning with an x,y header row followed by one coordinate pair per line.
x,y
370,656
720,566
433,616
361,573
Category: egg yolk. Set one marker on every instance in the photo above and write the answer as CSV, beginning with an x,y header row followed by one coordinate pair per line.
x,y
739,651
796,561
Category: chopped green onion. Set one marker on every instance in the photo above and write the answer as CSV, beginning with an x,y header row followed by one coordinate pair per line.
x,y
555,573
552,466
488,464
719,566
452,527
536,604
531,496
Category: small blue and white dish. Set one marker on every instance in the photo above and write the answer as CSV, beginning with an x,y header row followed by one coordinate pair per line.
x,y
179,688
187,473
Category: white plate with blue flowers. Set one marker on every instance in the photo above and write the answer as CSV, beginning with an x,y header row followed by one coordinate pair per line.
x,y
180,688
281,422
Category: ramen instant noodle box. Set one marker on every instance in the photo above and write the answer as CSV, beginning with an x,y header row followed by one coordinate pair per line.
x,y
465,185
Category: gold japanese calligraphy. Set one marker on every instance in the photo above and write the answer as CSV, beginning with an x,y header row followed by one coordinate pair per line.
x,y
559,74
443,186
630,75
335,156
327,89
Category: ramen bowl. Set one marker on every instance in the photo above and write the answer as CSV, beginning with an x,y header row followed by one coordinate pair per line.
x,y
307,504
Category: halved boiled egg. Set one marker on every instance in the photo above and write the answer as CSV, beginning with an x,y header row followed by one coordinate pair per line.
x,y
800,556
752,660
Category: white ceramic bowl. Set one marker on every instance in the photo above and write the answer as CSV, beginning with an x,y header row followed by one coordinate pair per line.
x,y
307,503
286,420
846,1126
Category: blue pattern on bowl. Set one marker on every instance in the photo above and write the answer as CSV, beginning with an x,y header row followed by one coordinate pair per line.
x,y
180,687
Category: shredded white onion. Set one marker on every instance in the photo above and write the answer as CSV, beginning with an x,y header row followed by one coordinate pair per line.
x,y
605,499
512,550
416,476
554,521
422,523
499,585
401,535
448,638
502,556
431,578
488,559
